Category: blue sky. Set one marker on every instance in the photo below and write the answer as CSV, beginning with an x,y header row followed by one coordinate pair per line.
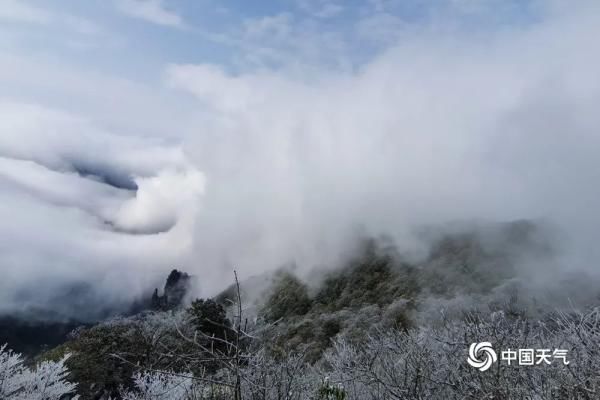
x,y
137,37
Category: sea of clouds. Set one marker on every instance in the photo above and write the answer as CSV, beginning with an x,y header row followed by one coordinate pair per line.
x,y
112,182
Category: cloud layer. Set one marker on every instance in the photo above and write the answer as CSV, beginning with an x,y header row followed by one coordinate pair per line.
x,y
114,182
153,11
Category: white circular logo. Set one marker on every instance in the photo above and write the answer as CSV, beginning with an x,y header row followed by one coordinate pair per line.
x,y
485,349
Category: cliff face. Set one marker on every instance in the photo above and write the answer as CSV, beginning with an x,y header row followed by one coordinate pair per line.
x,y
177,286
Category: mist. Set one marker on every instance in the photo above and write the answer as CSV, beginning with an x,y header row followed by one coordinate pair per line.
x,y
209,168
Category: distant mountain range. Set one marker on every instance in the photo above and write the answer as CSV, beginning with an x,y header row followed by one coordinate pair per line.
x,y
38,330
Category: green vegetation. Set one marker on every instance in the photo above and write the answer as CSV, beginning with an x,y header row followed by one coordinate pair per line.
x,y
288,298
376,289
105,357
373,277
328,391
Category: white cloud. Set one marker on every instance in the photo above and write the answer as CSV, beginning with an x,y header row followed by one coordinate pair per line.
x,y
162,201
19,10
274,26
321,8
77,218
381,28
261,167
153,11
435,129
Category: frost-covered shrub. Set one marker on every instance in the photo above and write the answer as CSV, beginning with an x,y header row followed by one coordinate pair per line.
x,y
289,377
430,363
168,385
105,357
161,386
45,382
420,363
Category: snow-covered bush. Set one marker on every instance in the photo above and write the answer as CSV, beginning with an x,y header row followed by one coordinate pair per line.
x,y
45,382
161,386
287,377
107,355
168,385
429,362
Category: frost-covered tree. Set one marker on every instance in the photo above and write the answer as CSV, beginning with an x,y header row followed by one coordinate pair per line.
x,y
430,362
161,386
427,362
47,381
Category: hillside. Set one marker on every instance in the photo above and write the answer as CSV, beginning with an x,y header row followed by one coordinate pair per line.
x,y
468,274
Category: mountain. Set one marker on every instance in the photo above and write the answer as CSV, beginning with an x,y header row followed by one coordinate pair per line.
x,y
37,330
176,288
471,277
